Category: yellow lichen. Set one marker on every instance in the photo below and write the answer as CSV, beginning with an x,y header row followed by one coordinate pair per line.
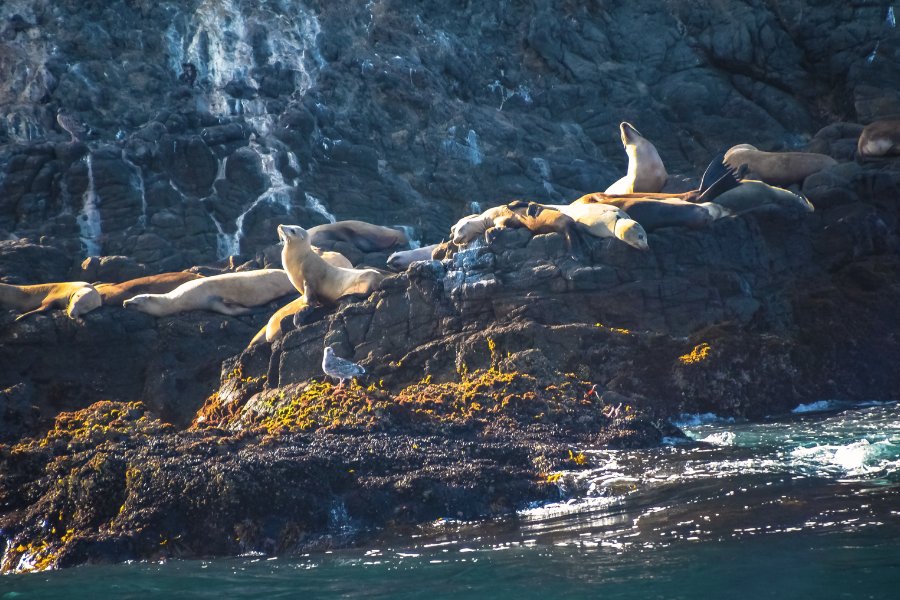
x,y
698,354
579,459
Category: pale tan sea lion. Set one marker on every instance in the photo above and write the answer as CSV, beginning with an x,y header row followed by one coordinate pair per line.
x,y
400,260
315,278
273,330
879,138
646,171
777,168
604,220
654,213
468,228
228,293
77,297
365,236
116,293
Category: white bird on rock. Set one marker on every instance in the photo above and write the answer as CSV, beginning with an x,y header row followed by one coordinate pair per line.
x,y
339,368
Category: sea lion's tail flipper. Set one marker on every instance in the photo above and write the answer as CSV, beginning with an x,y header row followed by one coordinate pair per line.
x,y
39,309
728,180
714,172
259,338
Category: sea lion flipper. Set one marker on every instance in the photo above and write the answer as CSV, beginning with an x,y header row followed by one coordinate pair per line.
x,y
226,307
714,172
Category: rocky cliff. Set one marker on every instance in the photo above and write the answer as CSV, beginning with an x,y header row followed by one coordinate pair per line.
x,y
207,123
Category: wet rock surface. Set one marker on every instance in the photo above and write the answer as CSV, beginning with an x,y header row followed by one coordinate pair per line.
x,y
123,436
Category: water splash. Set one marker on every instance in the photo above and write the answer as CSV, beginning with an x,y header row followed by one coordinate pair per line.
x,y
316,205
220,40
474,207
89,218
136,180
278,192
890,21
410,235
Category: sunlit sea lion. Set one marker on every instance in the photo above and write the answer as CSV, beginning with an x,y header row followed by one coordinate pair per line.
x,y
400,260
77,297
646,172
318,280
114,294
229,294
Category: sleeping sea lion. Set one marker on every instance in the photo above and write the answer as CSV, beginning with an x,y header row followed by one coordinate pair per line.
x,y
756,195
315,278
536,218
77,297
646,172
228,293
117,293
400,260
654,213
777,168
879,138
364,236
604,220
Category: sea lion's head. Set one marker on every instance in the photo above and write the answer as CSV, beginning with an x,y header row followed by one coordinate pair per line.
x,y
632,233
467,229
293,235
629,133
146,303
82,301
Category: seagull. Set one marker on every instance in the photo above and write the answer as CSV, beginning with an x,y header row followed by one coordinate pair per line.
x,y
70,124
339,368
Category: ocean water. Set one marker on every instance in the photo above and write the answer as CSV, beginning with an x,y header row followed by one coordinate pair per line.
x,y
806,506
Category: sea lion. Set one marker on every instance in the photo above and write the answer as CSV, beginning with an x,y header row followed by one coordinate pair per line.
x,y
364,236
777,168
604,220
116,293
315,278
879,138
444,250
468,228
77,297
273,330
228,293
536,218
757,195
654,213
646,172
400,260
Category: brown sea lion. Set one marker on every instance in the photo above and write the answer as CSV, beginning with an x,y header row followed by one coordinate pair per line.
x,y
536,218
364,236
77,297
228,293
646,172
879,138
315,278
114,294
777,168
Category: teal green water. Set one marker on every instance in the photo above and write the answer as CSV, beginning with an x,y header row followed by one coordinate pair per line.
x,y
801,507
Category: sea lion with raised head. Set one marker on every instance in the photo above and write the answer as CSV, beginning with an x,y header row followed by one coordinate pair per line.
x,y
777,168
646,171
114,294
879,138
364,236
314,277
273,328
77,297
228,293
400,260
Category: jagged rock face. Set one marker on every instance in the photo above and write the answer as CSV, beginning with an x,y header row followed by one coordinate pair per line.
x,y
392,112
